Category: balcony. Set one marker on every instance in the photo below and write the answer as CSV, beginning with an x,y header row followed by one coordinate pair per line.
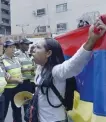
x,y
6,24
7,7
6,16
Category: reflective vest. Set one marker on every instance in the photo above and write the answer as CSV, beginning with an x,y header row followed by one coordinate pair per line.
x,y
14,70
27,63
2,81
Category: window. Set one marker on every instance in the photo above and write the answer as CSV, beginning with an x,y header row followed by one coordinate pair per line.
x,y
41,12
61,7
41,29
5,20
61,27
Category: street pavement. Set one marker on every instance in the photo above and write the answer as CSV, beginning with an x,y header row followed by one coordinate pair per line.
x,y
9,115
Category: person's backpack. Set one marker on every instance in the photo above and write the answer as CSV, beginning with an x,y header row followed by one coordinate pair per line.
x,y
67,101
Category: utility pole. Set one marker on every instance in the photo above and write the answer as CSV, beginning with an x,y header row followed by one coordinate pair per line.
x,y
49,34
36,29
22,28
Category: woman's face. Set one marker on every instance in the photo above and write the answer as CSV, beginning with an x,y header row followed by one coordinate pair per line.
x,y
10,50
40,54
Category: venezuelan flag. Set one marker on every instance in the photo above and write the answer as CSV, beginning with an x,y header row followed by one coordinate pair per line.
x,y
90,100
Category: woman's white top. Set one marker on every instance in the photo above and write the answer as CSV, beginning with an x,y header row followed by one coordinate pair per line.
x,y
61,72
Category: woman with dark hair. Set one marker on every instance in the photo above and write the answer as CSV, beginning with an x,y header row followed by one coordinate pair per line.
x,y
54,69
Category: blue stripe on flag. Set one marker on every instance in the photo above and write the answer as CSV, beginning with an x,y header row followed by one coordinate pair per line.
x,y
91,82
100,82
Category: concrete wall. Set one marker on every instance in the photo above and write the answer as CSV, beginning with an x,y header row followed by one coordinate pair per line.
x,y
22,13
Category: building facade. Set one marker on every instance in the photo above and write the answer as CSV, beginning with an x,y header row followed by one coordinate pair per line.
x,y
55,16
5,23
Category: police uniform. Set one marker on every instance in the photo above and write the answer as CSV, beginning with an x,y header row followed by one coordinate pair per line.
x,y
28,76
2,99
13,68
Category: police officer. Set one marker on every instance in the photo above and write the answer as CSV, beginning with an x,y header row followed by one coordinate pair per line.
x,y
27,67
13,68
2,99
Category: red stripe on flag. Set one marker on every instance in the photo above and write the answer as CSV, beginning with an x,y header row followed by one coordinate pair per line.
x,y
72,41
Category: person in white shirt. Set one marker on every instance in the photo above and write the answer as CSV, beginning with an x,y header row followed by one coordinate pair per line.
x,y
48,54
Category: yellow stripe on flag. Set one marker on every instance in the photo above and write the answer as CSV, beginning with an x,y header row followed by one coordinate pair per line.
x,y
82,111
96,118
